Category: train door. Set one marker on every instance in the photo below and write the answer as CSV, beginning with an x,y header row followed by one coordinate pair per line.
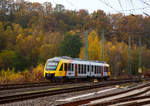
x,y
71,70
92,70
105,72
96,70
60,72
76,71
99,71
102,69
88,70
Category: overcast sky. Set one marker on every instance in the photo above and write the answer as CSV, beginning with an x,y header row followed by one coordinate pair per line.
x,y
109,6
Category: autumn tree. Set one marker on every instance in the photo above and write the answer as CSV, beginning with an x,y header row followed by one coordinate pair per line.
x,y
7,59
94,48
3,42
117,54
49,46
70,45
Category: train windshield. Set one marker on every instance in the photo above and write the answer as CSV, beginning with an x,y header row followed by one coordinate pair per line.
x,y
51,65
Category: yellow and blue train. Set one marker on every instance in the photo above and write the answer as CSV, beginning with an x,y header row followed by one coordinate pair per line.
x,y
74,68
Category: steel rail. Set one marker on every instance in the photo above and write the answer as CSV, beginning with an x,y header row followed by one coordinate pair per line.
x,y
86,101
32,95
27,85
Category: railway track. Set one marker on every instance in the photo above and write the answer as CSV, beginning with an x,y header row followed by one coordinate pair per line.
x,y
41,93
27,85
133,101
130,97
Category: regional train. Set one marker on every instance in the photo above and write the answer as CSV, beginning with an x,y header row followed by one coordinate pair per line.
x,y
75,68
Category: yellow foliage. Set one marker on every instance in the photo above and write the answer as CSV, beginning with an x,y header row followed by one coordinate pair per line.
x,y
82,53
37,73
5,75
94,48
26,76
10,76
16,78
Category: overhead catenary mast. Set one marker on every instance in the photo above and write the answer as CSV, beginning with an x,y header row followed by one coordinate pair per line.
x,y
103,49
140,56
129,55
86,43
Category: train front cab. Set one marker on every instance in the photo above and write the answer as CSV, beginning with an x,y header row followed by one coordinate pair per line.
x,y
55,72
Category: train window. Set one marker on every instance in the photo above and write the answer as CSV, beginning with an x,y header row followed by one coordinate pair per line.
x,y
99,69
79,68
84,69
88,68
61,68
65,66
96,69
69,67
92,69
72,67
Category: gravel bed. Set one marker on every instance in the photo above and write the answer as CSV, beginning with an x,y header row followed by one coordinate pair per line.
x,y
52,100
31,89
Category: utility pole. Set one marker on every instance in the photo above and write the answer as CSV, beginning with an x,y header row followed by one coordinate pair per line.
x,y
140,56
86,42
129,55
103,50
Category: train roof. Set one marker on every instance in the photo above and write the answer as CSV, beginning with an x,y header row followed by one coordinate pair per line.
x,y
81,61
